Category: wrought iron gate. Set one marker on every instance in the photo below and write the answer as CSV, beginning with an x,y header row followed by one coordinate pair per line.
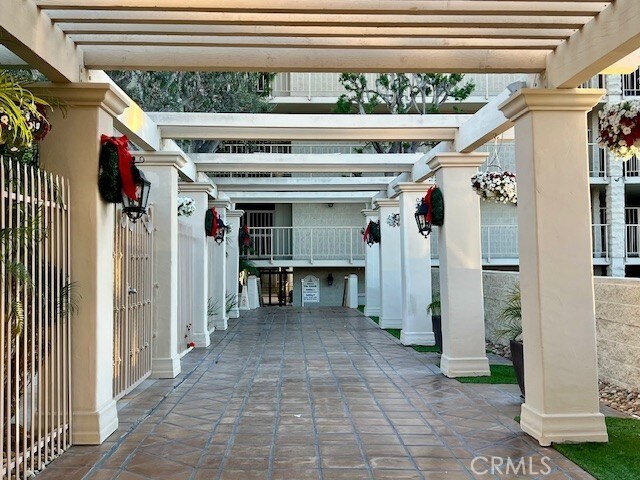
x,y
133,294
35,301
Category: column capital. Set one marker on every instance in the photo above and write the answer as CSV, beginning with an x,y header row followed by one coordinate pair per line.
x,y
410,187
370,213
538,99
102,95
235,213
161,159
445,160
224,204
388,202
197,187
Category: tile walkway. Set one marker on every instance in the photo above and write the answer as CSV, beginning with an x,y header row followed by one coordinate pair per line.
x,y
302,394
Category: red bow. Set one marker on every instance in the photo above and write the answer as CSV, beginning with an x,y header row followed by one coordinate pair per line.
x,y
247,238
125,160
214,225
427,200
367,230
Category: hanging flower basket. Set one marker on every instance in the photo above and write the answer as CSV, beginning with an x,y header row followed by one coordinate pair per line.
x,y
620,129
499,187
371,234
186,206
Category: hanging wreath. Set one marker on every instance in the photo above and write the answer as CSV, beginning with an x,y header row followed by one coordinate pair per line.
x,y
115,177
620,129
371,234
430,211
244,239
186,206
214,226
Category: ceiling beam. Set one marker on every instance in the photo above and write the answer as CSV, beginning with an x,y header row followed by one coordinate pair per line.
x,y
269,126
608,38
310,163
303,184
247,59
299,197
412,7
31,35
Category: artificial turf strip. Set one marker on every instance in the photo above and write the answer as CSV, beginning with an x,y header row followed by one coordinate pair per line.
x,y
396,333
617,460
361,308
500,374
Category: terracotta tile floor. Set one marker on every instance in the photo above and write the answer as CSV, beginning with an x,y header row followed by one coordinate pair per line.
x,y
301,394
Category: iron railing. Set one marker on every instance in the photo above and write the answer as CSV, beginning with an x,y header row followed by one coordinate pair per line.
x,y
35,395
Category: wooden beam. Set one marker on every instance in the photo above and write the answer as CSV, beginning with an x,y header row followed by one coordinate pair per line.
x,y
303,184
310,163
608,38
413,7
313,31
319,60
315,42
285,127
300,197
30,34
232,18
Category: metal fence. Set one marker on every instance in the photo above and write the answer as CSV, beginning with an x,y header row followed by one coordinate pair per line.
x,y
186,241
133,303
35,405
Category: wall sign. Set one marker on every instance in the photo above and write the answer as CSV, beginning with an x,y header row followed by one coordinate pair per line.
x,y
310,289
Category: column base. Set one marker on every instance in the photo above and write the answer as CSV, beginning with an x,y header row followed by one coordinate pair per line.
x,y
464,367
220,323
563,428
165,367
93,428
234,313
417,338
201,340
372,312
386,322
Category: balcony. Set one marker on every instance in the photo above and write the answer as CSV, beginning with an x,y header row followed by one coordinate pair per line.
x,y
631,84
633,243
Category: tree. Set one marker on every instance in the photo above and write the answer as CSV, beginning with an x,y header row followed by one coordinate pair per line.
x,y
401,93
225,92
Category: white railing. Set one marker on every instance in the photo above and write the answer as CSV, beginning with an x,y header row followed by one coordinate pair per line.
x,y
597,161
296,148
306,243
35,286
632,215
633,241
500,242
186,249
631,168
631,84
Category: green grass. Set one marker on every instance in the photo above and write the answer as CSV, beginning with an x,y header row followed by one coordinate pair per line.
x,y
396,333
361,308
500,374
617,460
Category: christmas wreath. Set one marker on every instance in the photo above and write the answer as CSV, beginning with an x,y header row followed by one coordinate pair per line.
x,y
214,226
430,210
371,234
115,165
244,239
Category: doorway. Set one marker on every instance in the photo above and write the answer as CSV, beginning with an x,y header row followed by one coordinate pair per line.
x,y
276,286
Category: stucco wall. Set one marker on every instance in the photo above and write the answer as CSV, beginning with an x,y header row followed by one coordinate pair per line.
x,y
330,296
617,321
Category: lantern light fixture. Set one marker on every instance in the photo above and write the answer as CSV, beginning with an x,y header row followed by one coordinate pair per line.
x,y
422,214
135,208
330,279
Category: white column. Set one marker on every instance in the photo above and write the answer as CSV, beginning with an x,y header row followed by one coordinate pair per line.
x,y
161,169
352,291
218,270
460,253
390,278
200,192
561,372
415,270
372,270
72,150
233,260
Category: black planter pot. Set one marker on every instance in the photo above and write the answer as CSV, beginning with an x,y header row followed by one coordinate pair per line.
x,y
437,330
517,357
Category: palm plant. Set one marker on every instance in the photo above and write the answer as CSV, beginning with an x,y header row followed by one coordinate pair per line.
x,y
434,306
511,316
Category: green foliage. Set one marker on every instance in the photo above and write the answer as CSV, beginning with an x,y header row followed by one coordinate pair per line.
x,y
401,93
617,460
511,316
500,375
434,306
231,302
221,92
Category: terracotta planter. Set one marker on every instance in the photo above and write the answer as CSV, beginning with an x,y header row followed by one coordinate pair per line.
x,y
437,330
517,357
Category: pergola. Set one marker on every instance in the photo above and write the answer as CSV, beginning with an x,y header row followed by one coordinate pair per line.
x,y
561,43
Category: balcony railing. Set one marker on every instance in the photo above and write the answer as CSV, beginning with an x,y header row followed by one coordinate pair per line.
x,y
631,84
631,168
297,148
306,244
597,161
633,241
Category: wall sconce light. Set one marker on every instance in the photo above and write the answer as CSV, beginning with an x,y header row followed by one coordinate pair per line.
x,y
330,279
330,205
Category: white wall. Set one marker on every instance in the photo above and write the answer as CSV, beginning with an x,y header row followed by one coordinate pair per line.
x,y
329,296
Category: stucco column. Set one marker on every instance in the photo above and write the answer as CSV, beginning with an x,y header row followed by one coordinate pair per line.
x,y
72,149
390,279
161,169
415,270
556,279
460,253
372,271
233,260
200,192
218,270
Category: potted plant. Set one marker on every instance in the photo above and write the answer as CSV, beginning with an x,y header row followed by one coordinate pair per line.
x,y
511,328
436,320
